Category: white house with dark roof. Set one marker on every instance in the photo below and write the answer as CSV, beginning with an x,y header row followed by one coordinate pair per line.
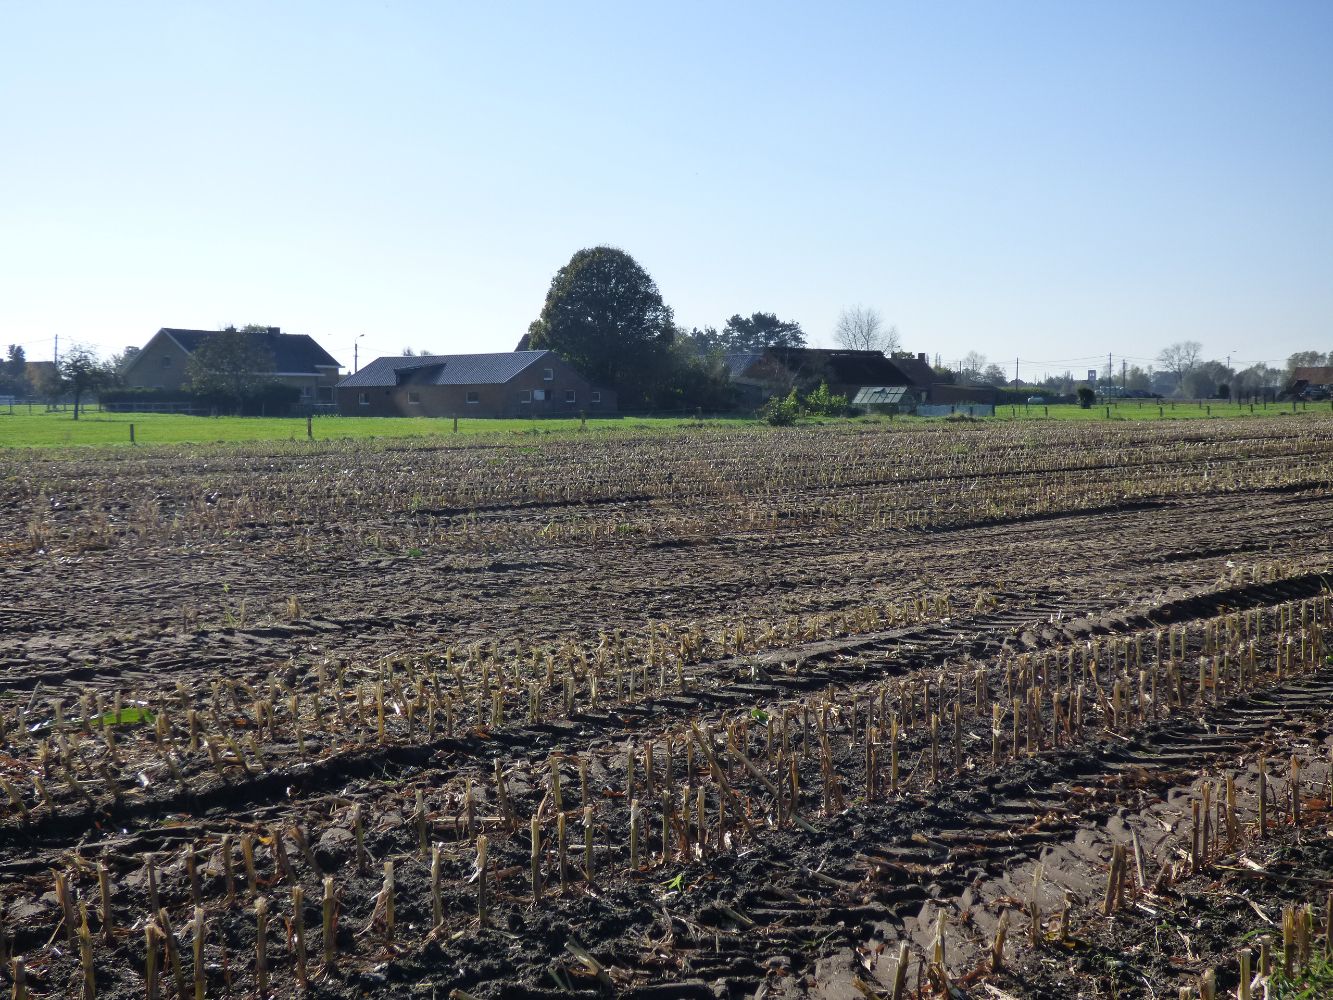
x,y
507,384
298,361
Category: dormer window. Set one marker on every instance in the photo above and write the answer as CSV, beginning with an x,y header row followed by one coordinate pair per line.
x,y
548,374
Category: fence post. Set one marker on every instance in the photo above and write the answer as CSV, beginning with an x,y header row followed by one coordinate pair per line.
x,y
310,426
455,423
131,434
1108,413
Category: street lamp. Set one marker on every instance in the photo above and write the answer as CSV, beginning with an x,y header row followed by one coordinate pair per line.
x,y
356,344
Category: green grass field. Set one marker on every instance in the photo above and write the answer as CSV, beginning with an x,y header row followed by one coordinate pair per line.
x,y
58,429
1151,409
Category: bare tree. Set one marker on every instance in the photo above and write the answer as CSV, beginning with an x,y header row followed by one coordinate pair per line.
x,y
862,328
1181,358
970,369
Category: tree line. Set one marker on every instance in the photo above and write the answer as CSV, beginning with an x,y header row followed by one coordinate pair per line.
x,y
605,314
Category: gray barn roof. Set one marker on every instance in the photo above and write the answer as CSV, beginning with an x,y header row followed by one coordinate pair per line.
x,y
739,363
295,353
444,369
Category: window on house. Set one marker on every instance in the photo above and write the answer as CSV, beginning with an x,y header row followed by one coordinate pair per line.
x,y
363,398
525,395
539,395
166,361
548,374
414,397
306,392
595,397
473,396
569,395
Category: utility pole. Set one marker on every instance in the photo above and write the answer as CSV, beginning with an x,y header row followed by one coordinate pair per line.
x,y
1015,371
1124,374
57,354
356,344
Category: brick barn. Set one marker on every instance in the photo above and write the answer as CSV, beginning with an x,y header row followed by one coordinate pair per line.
x,y
509,384
299,361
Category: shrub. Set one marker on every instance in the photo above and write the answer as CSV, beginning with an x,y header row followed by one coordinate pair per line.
x,y
1086,397
781,412
822,403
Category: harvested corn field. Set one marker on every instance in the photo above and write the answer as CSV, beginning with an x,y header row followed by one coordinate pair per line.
x,y
964,709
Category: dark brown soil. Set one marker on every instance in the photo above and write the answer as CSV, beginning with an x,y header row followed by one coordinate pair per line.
x,y
872,574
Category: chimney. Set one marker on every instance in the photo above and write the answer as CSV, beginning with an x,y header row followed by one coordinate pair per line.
x,y
921,356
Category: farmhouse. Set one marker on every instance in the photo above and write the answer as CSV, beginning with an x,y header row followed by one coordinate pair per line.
x,y
867,376
299,362
776,370
40,374
508,384
1319,379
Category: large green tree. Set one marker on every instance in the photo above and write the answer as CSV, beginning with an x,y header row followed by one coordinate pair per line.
x,y
233,364
604,315
13,380
752,333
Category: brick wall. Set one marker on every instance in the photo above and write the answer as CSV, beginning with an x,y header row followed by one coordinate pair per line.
x,y
490,400
160,365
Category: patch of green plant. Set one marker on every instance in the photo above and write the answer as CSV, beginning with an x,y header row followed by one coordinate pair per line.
x,y
781,412
130,716
822,403
1315,982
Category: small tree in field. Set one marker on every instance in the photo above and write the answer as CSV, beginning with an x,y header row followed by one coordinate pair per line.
x,y
1086,397
81,371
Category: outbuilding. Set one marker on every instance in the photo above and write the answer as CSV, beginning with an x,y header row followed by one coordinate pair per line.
x,y
507,384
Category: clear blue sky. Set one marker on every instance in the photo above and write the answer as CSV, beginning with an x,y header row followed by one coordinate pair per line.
x,y
1046,180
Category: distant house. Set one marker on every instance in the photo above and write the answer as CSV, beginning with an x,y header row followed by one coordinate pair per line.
x,y
864,374
299,362
40,375
509,384
1318,379
775,371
